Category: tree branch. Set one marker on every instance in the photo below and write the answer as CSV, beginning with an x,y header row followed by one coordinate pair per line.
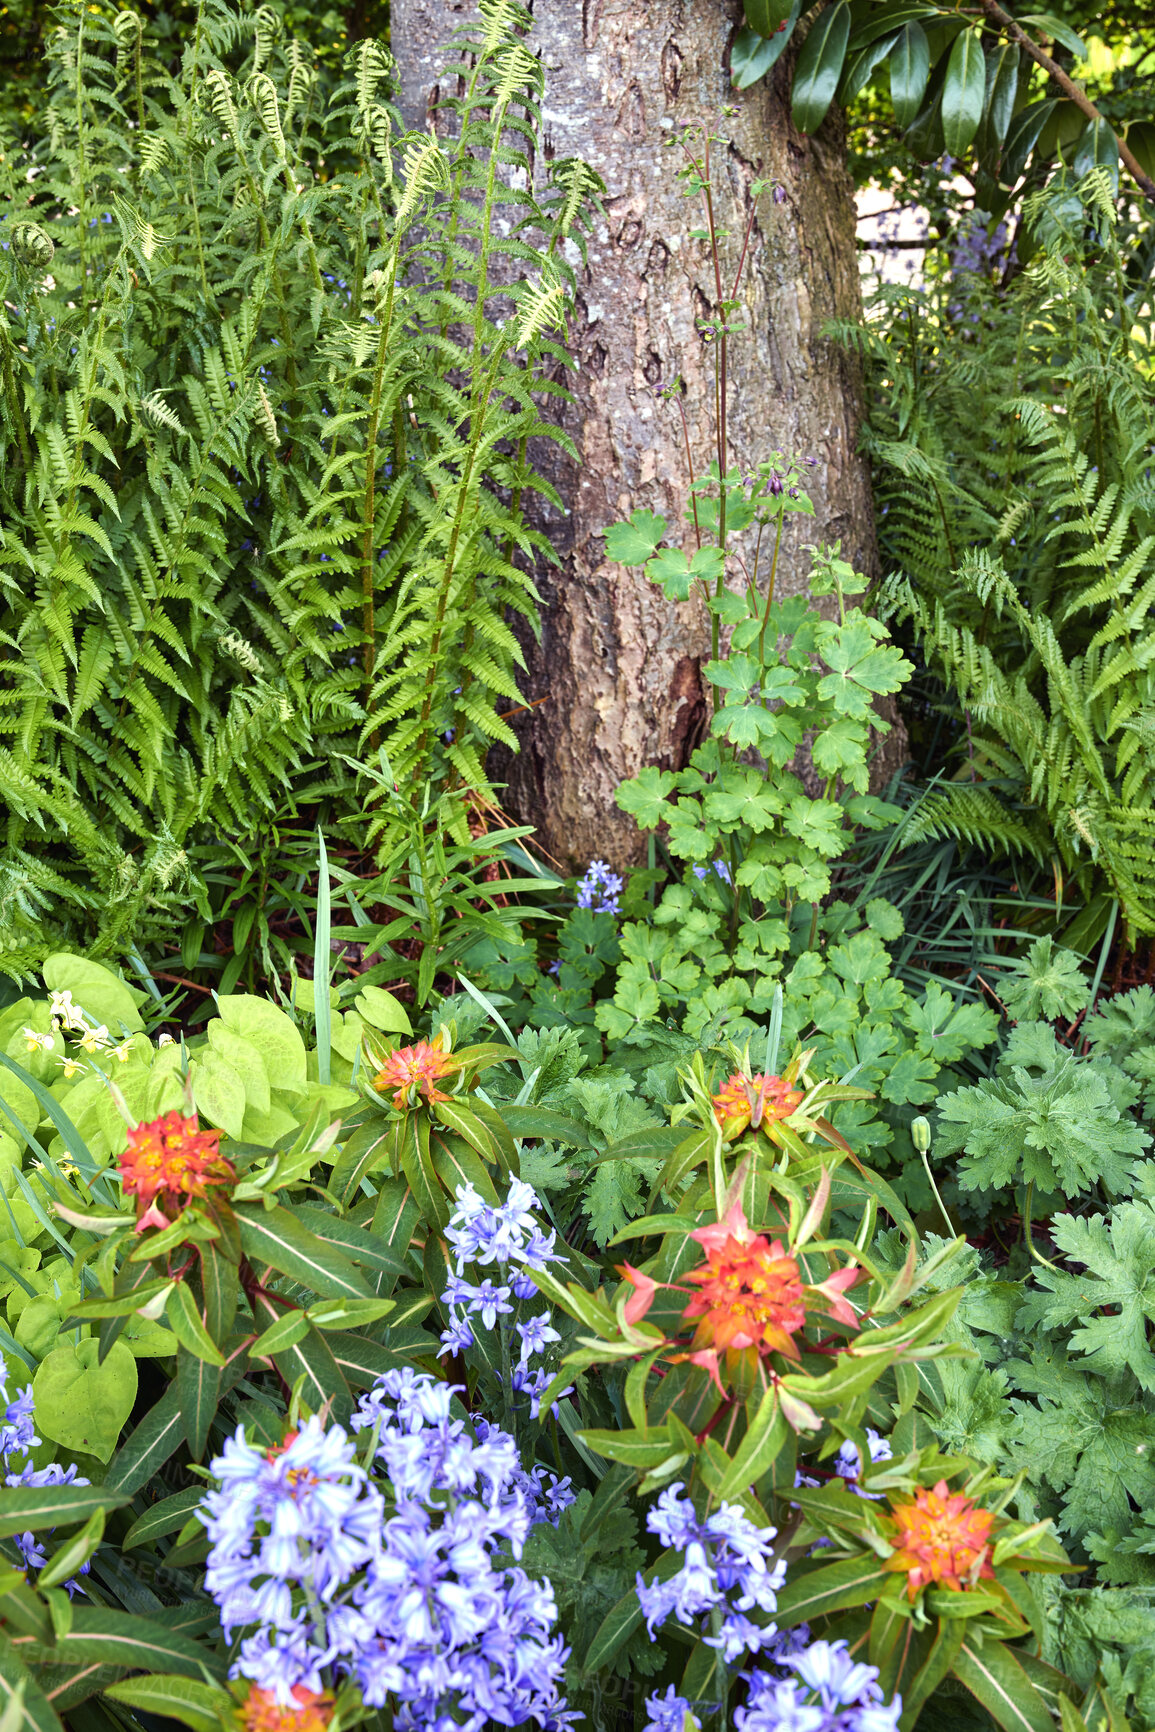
x,y
1075,91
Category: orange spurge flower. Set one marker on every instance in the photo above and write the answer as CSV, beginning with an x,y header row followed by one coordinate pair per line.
x,y
413,1070
940,1537
751,1290
736,1101
167,1162
311,1711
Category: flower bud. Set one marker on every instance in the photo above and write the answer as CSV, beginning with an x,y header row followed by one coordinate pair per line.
x,y
920,1134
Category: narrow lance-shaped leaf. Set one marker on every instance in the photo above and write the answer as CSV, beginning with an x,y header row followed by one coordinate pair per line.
x,y
819,67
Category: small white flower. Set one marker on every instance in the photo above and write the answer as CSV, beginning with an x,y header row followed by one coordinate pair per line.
x,y
165,1040
69,1014
120,1053
95,1039
70,1066
44,1042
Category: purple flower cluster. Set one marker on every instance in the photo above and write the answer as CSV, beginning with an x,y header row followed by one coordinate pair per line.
x,y
848,1462
17,1437
719,866
829,1692
386,1569
600,889
507,1236
727,1569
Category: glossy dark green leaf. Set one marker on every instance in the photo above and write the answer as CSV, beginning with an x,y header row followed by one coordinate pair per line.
x,y
819,67
862,63
964,92
1002,91
1022,137
909,71
883,20
753,56
1098,148
765,17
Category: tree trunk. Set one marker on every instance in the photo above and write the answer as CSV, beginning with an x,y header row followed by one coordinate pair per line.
x,y
618,666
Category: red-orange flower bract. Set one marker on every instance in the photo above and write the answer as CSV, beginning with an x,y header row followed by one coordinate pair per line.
x,y
940,1537
415,1069
751,1293
310,1711
171,1160
735,1101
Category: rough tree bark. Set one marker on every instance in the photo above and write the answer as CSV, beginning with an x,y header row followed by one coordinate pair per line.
x,y
618,666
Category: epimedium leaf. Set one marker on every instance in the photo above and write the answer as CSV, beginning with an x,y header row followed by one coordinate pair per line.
x,y
81,1401
819,67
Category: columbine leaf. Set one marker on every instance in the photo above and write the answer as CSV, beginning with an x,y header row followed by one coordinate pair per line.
x,y
634,542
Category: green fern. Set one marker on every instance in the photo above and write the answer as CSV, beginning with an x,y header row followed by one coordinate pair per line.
x,y
269,374
1017,520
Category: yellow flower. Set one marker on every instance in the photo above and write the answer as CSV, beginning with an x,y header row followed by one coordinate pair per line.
x,y
41,1042
120,1053
70,1066
95,1039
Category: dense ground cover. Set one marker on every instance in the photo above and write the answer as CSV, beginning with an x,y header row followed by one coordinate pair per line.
x,y
717,1294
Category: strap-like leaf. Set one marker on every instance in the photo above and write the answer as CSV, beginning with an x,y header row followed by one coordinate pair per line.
x,y
27,1508
195,1705
277,1237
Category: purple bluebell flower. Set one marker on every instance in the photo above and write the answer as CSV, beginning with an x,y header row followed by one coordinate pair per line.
x,y
414,1604
600,889
17,1437
668,1713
